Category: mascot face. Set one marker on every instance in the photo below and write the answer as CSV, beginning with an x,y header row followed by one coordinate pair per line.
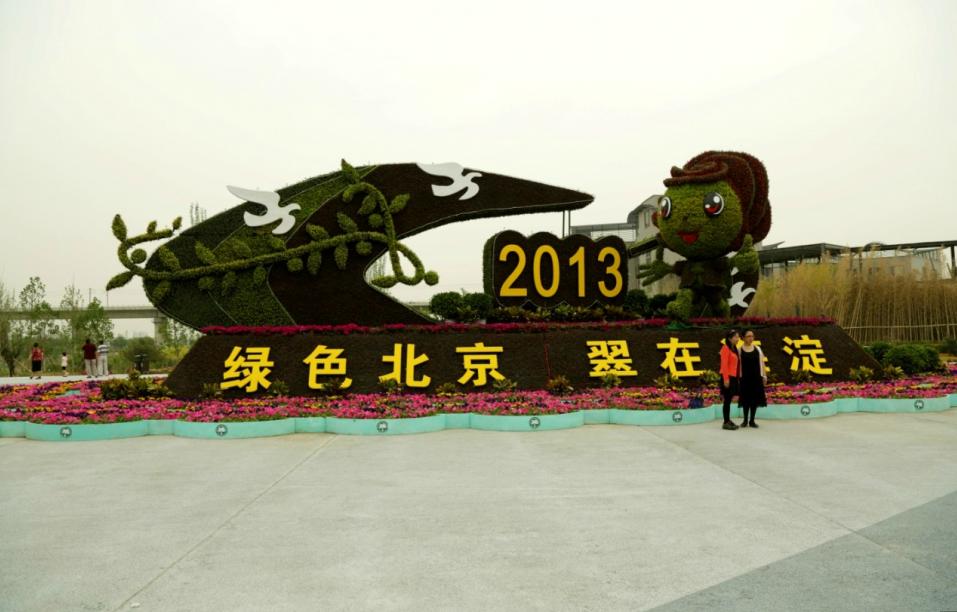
x,y
699,220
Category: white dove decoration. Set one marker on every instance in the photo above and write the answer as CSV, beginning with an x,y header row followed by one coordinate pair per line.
x,y
274,212
460,180
739,294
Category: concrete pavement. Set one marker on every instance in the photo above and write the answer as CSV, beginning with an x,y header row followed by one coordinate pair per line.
x,y
853,512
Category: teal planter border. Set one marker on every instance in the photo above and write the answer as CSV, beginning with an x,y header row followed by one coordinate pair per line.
x,y
13,429
233,430
380,427
70,433
680,416
531,422
463,420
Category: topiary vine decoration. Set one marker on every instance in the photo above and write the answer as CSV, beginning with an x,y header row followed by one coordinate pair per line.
x,y
221,270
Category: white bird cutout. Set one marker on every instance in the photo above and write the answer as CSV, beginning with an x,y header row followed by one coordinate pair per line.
x,y
274,212
460,180
739,295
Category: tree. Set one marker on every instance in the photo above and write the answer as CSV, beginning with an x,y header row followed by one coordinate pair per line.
x,y
174,334
197,214
13,341
32,301
71,307
93,323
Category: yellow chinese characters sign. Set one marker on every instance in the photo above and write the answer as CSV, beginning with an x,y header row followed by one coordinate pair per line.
x,y
247,369
404,363
679,361
325,361
609,357
480,363
807,354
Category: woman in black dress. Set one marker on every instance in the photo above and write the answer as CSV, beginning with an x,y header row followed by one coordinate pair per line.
x,y
753,377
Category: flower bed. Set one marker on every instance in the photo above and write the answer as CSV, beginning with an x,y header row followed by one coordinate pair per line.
x,y
82,403
445,328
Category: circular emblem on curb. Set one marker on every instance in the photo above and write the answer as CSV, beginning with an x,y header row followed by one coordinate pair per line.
x,y
919,404
382,427
677,417
66,432
221,430
534,422
805,410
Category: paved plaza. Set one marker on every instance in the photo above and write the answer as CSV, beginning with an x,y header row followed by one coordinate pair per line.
x,y
853,512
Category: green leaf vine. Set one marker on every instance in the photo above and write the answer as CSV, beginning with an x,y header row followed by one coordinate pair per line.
x,y
220,270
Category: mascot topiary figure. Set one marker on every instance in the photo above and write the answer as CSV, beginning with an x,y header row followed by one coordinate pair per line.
x,y
716,204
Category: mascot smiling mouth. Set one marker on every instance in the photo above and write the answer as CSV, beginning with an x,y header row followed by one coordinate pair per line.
x,y
688,237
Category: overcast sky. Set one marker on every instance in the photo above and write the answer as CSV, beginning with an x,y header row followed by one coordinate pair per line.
x,y
140,108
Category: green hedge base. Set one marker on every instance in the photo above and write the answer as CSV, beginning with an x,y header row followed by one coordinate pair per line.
x,y
439,422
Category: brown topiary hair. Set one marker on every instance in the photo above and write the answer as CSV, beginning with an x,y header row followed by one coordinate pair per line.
x,y
746,176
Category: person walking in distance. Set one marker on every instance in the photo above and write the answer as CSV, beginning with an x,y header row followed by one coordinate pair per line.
x,y
753,379
730,372
36,361
102,352
89,358
64,363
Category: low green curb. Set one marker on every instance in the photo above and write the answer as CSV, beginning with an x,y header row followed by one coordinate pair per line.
x,y
544,422
680,416
103,431
458,420
466,420
598,416
230,430
13,429
373,427
797,411
158,427
310,424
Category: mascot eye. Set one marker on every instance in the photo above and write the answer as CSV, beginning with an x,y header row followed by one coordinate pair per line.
x,y
664,206
713,204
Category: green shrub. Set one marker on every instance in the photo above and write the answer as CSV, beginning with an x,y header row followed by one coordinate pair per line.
x,y
447,388
862,374
447,304
559,385
657,304
667,381
481,303
913,358
878,350
134,387
610,381
637,302
892,372
709,378
278,388
801,376
504,385
949,346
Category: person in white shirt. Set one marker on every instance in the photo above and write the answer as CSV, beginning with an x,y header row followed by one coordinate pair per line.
x,y
64,363
102,352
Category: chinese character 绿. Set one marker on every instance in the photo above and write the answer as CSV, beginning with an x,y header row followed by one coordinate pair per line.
x,y
247,369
